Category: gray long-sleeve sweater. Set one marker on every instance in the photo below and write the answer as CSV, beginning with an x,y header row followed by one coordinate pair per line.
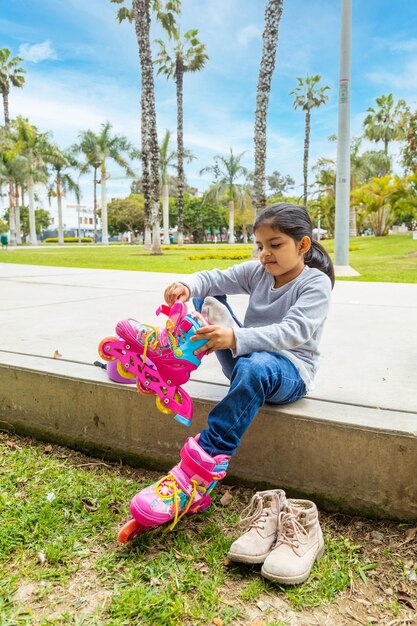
x,y
287,319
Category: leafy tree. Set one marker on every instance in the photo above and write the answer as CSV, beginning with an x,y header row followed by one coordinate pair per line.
x,y
227,171
200,216
279,184
375,198
10,74
405,201
188,55
127,214
61,163
384,123
308,95
42,220
273,12
409,150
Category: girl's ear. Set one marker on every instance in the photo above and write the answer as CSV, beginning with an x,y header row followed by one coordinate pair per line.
x,y
305,244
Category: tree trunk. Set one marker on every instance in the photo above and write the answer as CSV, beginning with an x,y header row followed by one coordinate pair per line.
x,y
231,221
306,149
12,217
142,26
5,93
245,233
59,202
179,80
32,223
104,227
145,172
273,14
165,212
17,216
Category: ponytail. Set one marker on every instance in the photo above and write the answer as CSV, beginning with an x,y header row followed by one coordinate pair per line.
x,y
317,257
294,221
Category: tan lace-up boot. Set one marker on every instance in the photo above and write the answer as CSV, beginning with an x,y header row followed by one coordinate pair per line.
x,y
260,519
299,543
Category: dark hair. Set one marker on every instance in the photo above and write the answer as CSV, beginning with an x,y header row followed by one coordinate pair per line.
x,y
294,221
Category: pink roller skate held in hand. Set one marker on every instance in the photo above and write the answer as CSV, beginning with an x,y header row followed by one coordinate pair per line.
x,y
161,358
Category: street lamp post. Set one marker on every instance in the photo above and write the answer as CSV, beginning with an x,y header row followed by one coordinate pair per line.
x,y
341,249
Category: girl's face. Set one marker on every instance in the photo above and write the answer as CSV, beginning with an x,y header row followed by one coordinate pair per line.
x,y
281,256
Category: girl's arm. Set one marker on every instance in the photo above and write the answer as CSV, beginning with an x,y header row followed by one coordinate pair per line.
x,y
215,282
297,327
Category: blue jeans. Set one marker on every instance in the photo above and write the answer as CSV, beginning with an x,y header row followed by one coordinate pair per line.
x,y
254,379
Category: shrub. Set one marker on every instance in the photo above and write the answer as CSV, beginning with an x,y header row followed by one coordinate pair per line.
x,y
68,240
227,255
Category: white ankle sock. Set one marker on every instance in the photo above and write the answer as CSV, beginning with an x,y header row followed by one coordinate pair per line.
x,y
217,313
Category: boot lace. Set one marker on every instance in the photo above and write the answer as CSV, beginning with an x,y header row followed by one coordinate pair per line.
x,y
291,531
151,337
254,515
167,488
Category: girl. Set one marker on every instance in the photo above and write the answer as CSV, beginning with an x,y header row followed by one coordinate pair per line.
x,y
272,358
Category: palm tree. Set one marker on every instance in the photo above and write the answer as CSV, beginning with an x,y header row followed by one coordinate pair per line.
x,y
60,163
385,122
10,74
36,148
167,159
188,55
140,14
103,147
14,172
226,172
88,146
273,14
308,96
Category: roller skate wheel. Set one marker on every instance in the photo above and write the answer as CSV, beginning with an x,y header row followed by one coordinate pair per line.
x,y
178,352
104,350
123,372
162,407
130,530
182,420
145,391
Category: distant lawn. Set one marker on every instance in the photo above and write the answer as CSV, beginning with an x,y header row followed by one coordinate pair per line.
x,y
377,259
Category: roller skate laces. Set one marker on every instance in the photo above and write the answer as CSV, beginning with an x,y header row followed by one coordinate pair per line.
x,y
167,488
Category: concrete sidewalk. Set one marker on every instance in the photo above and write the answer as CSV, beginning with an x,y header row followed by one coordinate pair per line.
x,y
369,347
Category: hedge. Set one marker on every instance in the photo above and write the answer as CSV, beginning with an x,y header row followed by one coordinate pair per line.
x,y
68,240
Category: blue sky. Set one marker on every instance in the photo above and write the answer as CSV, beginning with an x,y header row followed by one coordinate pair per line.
x,y
82,70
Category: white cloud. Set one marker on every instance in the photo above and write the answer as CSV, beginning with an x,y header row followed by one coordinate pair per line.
x,y
38,52
409,45
246,34
404,80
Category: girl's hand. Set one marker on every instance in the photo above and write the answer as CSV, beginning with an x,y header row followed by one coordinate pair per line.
x,y
219,338
176,291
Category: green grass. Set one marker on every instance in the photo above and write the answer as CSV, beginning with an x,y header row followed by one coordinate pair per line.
x,y
377,259
63,550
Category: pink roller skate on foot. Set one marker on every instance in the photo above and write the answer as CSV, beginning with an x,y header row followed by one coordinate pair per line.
x,y
161,358
184,490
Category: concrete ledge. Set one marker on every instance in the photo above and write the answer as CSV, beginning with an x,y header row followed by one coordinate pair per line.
x,y
347,458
